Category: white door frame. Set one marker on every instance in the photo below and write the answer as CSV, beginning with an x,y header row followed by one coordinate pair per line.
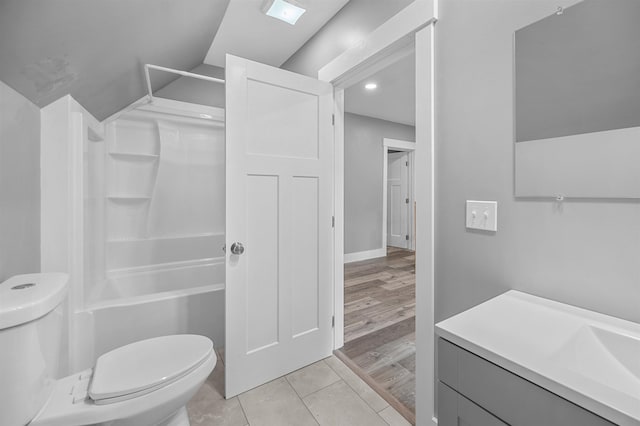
x,y
410,30
408,147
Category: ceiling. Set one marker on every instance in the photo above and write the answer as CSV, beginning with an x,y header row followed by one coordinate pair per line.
x,y
393,99
247,32
94,49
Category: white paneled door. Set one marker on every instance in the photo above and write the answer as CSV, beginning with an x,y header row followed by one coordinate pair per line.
x,y
279,290
398,199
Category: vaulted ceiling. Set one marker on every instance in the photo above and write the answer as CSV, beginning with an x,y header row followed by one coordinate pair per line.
x,y
245,31
95,49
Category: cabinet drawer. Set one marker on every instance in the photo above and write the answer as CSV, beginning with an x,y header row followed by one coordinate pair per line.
x,y
456,410
506,395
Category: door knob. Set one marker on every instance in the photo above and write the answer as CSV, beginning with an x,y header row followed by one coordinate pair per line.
x,y
237,248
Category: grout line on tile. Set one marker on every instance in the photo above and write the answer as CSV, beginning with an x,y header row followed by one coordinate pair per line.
x,y
308,409
292,387
322,388
334,370
219,357
318,390
365,402
356,390
377,413
242,408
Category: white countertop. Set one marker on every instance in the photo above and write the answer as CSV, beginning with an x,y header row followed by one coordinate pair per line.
x,y
590,359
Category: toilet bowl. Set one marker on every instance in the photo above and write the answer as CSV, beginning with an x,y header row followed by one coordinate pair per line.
x,y
145,383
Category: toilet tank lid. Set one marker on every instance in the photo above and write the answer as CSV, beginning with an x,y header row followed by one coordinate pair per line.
x,y
147,364
27,297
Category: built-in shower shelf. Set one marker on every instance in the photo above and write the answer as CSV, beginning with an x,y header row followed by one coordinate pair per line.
x,y
128,198
187,238
134,156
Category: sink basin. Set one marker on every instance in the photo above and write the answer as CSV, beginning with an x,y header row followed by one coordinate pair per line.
x,y
607,357
586,357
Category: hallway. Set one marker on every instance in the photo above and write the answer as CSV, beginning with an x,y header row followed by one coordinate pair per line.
x,y
380,325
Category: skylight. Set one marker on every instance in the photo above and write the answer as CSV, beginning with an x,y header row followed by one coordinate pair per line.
x,y
284,11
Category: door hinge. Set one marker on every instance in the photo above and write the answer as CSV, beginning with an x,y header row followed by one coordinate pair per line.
x,y
333,321
333,221
406,237
406,201
333,119
406,163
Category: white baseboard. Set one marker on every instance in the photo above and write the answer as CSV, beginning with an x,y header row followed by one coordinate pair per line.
x,y
364,255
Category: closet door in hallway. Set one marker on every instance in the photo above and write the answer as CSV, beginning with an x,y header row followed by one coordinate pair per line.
x,y
398,200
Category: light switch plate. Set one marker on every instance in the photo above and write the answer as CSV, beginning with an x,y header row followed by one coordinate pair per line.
x,y
482,215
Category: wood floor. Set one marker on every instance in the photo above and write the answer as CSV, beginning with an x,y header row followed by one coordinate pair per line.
x,y
380,324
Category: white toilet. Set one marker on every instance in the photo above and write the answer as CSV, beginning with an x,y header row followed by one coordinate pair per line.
x,y
146,383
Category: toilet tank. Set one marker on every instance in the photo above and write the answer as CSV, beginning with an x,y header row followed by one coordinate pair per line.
x,y
31,323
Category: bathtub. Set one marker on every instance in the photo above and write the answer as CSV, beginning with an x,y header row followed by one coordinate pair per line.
x,y
138,303
154,231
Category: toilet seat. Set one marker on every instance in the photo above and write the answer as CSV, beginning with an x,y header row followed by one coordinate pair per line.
x,y
139,368
67,407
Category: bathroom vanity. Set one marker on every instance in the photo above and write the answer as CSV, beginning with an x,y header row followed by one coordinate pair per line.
x,y
518,359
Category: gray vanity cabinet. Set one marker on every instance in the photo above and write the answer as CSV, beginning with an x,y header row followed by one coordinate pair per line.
x,y
455,409
475,392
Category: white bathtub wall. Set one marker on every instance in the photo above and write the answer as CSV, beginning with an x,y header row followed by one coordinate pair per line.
x,y
94,217
151,280
155,203
196,311
134,253
165,176
189,192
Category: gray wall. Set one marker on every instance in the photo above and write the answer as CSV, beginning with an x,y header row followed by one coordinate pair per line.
x,y
363,135
19,184
580,252
351,24
363,156
193,90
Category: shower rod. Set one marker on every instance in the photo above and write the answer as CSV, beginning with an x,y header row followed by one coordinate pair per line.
x,y
147,67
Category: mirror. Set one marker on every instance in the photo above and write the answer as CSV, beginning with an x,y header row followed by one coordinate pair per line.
x,y
577,102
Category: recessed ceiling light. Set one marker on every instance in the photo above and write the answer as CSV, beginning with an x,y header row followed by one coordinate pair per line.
x,y
371,86
283,10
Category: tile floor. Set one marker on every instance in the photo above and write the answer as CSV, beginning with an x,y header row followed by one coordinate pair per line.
x,y
326,393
